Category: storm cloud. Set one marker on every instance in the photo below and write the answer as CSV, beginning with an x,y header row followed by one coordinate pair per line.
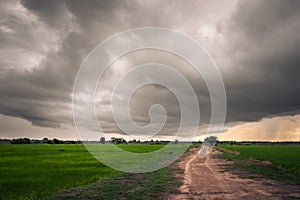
x,y
255,44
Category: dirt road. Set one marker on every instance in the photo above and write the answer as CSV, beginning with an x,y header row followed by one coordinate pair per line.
x,y
207,178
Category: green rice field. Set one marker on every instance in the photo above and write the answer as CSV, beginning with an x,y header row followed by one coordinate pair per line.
x,y
286,157
36,171
278,162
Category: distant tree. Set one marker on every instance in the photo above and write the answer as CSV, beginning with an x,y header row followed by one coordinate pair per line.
x,y
15,141
36,141
115,140
176,141
5,141
132,141
102,140
50,142
21,141
211,140
45,140
27,141
56,141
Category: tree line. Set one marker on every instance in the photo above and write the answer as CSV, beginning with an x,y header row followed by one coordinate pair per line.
x,y
37,141
117,140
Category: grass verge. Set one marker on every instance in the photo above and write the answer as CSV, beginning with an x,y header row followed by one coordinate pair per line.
x,y
154,185
254,163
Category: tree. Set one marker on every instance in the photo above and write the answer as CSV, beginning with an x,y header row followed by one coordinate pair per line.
x,y
56,141
212,140
102,140
176,141
115,140
27,141
50,142
21,141
45,140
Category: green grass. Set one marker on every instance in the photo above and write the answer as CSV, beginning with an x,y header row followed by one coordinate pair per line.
x,y
140,148
285,160
128,186
36,171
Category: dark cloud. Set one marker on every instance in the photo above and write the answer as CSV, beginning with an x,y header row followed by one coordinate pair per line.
x,y
255,43
54,12
264,45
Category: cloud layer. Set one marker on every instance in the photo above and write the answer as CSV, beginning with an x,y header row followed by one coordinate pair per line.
x,y
256,45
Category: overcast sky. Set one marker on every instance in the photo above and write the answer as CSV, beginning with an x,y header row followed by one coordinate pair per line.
x,y
255,44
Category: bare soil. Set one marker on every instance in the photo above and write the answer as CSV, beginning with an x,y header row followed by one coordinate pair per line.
x,y
211,178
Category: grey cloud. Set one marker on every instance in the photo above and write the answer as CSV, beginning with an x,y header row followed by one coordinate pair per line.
x,y
260,40
54,13
264,44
